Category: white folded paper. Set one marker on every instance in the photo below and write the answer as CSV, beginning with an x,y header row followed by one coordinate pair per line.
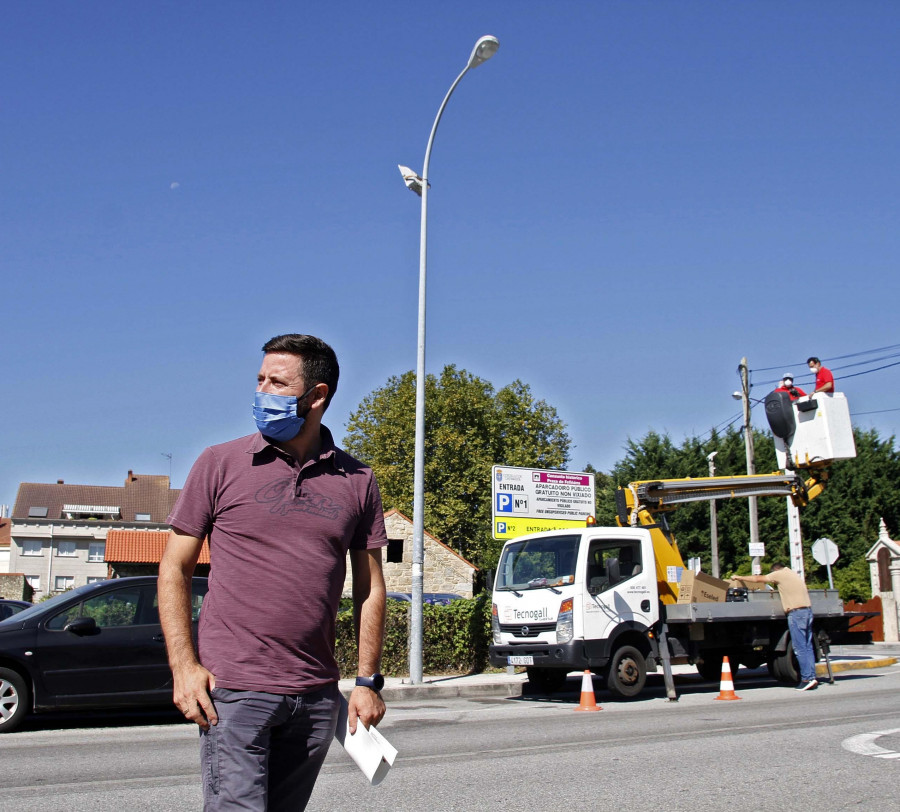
x,y
371,751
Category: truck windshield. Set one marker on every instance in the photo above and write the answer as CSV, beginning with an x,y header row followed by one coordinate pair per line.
x,y
538,563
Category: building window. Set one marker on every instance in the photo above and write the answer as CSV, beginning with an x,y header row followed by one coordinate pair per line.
x,y
96,551
92,512
37,513
395,551
142,517
34,581
67,548
63,582
32,547
95,579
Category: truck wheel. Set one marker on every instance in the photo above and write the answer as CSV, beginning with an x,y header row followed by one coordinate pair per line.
x,y
783,667
710,667
627,673
547,680
13,700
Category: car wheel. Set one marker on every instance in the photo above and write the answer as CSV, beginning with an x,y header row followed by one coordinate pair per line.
x,y
627,673
13,700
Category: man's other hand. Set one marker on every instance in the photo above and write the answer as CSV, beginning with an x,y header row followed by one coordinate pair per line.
x,y
191,695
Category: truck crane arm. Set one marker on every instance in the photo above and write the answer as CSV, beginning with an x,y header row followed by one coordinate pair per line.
x,y
645,503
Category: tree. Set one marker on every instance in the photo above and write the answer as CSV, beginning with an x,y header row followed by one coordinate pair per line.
x,y
469,427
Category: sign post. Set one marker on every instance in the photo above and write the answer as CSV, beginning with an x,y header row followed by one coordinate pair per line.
x,y
825,551
531,500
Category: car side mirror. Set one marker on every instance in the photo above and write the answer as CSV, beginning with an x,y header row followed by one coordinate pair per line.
x,y
82,626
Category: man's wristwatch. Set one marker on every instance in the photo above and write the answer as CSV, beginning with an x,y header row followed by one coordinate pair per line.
x,y
375,682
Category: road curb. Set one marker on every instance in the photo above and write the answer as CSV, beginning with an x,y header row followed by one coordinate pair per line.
x,y
399,693
484,686
854,665
431,691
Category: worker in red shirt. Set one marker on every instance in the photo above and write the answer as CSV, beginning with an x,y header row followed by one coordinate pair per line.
x,y
824,378
787,385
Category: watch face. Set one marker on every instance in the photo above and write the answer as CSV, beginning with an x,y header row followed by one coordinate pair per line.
x,y
376,681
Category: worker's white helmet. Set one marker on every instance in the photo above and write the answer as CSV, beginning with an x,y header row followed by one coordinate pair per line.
x,y
787,377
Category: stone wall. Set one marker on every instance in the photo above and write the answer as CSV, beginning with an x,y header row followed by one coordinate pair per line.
x,y
445,570
13,586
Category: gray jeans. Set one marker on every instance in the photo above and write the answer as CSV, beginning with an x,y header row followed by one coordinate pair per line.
x,y
266,751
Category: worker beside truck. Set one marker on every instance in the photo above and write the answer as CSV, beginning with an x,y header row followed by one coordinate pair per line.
x,y
795,602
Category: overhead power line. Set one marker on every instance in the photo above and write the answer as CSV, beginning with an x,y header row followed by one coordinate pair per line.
x,y
831,358
802,378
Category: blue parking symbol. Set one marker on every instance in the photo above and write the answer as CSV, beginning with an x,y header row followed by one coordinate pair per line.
x,y
501,527
504,503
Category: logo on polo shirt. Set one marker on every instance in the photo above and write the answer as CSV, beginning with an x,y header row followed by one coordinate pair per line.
x,y
280,497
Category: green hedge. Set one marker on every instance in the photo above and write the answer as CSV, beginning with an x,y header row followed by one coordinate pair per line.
x,y
455,640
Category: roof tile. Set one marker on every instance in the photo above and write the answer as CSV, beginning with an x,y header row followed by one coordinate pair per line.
x,y
141,547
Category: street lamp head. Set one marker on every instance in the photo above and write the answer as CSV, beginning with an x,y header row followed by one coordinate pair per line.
x,y
484,49
736,395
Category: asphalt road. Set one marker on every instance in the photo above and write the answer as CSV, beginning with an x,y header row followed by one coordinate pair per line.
x,y
837,748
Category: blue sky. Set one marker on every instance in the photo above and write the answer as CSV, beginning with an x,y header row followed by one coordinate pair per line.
x,y
626,200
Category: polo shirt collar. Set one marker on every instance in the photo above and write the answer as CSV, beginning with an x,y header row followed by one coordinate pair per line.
x,y
259,444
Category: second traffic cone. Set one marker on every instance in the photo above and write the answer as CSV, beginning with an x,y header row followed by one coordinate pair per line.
x,y
588,703
726,689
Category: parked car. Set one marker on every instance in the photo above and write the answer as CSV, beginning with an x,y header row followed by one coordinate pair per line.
x,y
442,598
400,596
97,646
9,607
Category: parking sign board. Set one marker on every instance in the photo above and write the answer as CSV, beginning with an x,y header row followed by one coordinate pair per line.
x,y
529,500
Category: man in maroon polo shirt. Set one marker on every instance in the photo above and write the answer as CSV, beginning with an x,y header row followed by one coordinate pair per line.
x,y
281,508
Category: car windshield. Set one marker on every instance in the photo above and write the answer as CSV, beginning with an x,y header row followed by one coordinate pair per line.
x,y
538,563
49,603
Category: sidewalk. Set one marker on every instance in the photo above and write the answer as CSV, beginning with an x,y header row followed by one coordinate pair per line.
x,y
502,684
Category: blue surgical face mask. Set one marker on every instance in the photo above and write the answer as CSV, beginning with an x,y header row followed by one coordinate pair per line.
x,y
277,416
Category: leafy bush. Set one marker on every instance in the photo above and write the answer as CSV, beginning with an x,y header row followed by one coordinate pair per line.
x,y
455,638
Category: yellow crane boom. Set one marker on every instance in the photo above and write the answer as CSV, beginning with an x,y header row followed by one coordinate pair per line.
x,y
640,504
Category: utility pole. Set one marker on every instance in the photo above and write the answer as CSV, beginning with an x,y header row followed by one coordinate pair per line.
x,y
795,538
756,568
713,523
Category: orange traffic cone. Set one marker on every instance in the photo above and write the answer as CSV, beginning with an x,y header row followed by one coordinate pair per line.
x,y
726,690
588,703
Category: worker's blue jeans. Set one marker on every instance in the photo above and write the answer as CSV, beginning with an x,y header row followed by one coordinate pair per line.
x,y
800,626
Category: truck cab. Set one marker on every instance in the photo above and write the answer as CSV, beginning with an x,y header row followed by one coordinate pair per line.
x,y
577,599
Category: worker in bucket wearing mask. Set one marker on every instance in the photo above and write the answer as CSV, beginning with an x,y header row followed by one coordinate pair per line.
x,y
787,385
281,508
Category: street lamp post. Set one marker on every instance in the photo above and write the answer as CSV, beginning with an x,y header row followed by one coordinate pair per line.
x,y
484,49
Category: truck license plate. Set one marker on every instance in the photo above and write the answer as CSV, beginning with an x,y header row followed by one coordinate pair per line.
x,y
521,659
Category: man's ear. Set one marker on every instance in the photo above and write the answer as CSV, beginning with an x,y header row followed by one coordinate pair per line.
x,y
318,396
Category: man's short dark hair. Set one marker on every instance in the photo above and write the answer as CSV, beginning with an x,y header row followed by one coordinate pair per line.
x,y
813,360
778,566
319,361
